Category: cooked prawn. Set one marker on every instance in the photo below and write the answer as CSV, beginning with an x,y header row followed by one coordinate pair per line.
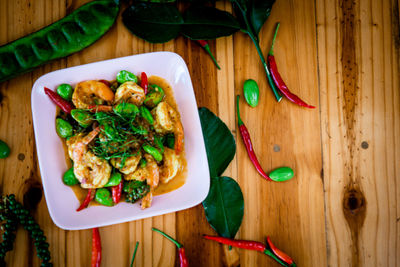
x,y
168,120
130,92
152,179
87,93
130,165
170,167
90,170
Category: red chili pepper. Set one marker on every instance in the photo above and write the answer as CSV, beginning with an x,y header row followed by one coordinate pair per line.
x,y
105,82
144,83
96,248
59,101
251,245
116,192
280,257
278,79
89,197
249,146
181,251
280,254
206,47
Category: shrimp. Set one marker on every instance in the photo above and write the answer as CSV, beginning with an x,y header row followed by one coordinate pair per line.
x,y
167,121
130,92
170,167
151,174
88,93
90,170
130,165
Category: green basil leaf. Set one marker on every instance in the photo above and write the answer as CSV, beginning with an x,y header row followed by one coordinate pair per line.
x,y
153,22
204,23
224,206
219,141
258,12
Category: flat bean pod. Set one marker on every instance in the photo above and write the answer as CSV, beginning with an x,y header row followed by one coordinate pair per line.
x,y
71,34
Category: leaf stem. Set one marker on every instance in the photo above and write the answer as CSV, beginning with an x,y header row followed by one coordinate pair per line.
x,y
271,51
134,253
240,122
272,255
179,245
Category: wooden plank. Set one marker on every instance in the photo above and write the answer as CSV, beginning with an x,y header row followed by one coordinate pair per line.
x,y
292,213
358,52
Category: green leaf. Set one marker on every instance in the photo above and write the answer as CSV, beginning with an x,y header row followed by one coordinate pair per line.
x,y
153,22
219,141
224,206
258,12
204,23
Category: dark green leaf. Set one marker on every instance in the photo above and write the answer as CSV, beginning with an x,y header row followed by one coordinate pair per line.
x,y
204,23
224,206
219,142
153,22
258,12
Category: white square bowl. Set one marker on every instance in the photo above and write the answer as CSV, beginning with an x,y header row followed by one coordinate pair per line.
x,y
61,200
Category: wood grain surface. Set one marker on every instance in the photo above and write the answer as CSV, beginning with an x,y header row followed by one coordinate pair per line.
x,y
341,209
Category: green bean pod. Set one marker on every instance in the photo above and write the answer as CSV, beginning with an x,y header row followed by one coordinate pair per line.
x,y
70,34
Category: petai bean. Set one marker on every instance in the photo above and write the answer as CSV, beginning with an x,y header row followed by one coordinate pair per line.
x,y
65,91
153,152
64,128
103,197
70,34
114,180
251,92
83,117
69,177
146,114
4,150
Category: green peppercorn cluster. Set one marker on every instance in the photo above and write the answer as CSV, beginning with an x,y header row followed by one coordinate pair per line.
x,y
135,190
12,212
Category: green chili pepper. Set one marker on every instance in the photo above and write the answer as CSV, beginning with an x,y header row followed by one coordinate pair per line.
x,y
142,163
170,141
146,114
114,180
71,34
65,91
69,177
281,174
84,118
4,150
251,92
103,197
153,151
63,128
159,143
126,109
126,76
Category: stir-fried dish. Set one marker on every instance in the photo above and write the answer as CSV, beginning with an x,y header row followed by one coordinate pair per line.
x,y
124,138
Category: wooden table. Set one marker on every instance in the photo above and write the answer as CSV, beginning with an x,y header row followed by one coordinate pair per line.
x,y
342,207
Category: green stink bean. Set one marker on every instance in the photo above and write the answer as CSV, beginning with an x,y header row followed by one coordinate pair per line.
x,y
126,109
251,92
103,197
63,128
65,91
69,177
4,150
114,180
139,130
110,131
153,152
170,141
84,118
146,114
281,174
153,99
70,34
126,76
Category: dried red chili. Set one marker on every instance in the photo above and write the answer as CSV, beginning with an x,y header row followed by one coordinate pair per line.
x,y
116,192
59,101
106,82
89,197
181,251
144,83
206,47
272,251
96,248
278,79
247,142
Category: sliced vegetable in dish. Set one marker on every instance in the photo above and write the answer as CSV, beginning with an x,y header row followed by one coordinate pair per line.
x,y
119,140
